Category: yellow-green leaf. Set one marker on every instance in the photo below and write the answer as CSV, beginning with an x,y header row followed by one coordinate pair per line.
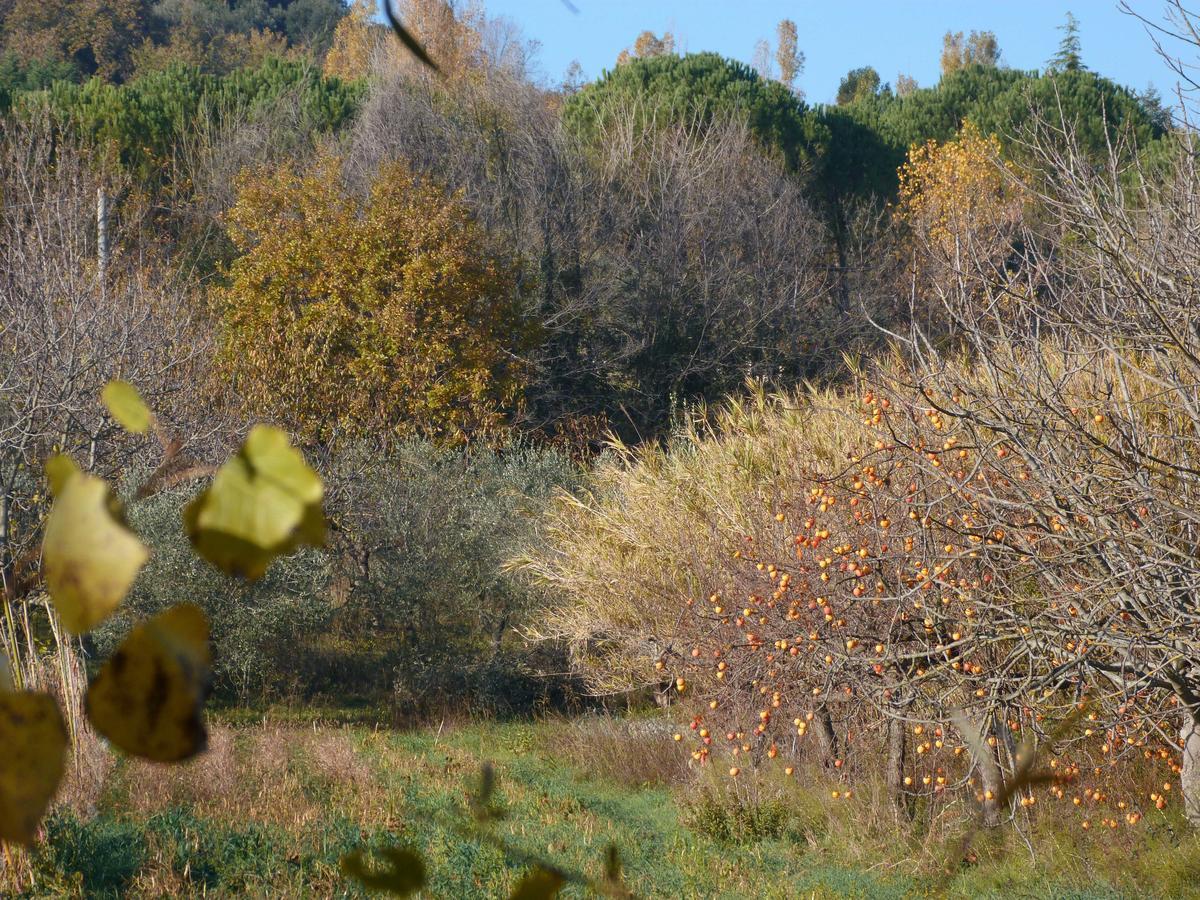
x,y
148,698
59,469
404,874
89,557
263,503
126,406
540,884
33,748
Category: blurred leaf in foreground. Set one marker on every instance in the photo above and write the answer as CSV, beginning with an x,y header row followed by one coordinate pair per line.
x,y
148,698
33,747
540,884
59,470
263,503
126,406
89,557
404,875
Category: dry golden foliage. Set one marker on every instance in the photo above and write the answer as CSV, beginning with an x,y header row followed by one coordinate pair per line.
x,y
959,193
385,316
355,41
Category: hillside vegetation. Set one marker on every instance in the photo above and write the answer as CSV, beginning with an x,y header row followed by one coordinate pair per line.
x,y
660,485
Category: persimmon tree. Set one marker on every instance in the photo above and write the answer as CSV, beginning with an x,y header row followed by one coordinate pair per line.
x,y
1082,350
384,315
1091,378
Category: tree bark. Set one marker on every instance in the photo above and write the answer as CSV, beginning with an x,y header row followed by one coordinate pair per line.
x,y
1189,777
993,783
826,736
896,751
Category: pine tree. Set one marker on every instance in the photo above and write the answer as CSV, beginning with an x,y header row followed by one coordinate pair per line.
x,y
1067,59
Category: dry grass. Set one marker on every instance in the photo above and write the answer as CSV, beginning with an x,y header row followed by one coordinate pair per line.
x,y
87,775
334,758
656,529
270,808
630,752
274,774
90,762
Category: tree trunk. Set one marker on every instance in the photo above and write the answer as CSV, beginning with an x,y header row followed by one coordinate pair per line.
x,y
662,695
498,636
897,745
1189,777
843,264
7,581
826,736
993,784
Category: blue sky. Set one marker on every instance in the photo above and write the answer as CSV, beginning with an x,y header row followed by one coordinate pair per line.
x,y
838,35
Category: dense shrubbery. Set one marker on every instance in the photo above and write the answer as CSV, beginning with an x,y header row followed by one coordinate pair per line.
x,y
18,76
661,265
648,294
256,626
112,39
408,608
384,316
423,538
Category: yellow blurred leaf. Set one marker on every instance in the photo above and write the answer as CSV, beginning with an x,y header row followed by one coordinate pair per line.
x,y
263,503
59,469
33,747
148,698
89,557
404,874
126,406
540,884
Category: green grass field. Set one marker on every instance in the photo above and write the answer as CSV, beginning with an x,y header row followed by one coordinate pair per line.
x,y
274,804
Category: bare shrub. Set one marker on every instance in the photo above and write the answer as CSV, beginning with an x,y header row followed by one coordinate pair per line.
x,y
664,264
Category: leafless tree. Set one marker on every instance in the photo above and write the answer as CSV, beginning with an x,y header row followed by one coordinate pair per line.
x,y
65,330
664,261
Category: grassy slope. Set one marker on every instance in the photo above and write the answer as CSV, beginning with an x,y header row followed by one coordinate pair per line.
x,y
270,809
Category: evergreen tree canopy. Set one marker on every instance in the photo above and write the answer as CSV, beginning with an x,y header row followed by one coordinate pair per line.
x,y
870,137
859,84
142,121
1068,58
701,86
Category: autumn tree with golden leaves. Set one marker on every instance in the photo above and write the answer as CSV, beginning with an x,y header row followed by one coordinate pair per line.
x,y
384,315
